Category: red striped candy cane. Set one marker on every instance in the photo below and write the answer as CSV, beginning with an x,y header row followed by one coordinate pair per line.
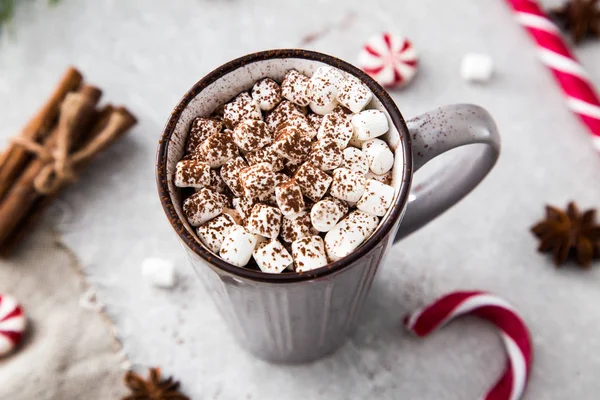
x,y
572,77
495,310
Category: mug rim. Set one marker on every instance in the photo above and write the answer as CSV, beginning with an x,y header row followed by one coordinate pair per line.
x,y
193,244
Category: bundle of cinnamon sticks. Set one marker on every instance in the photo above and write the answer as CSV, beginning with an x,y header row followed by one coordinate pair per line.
x,y
52,149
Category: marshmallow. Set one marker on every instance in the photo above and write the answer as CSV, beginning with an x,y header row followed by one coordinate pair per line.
x,y
354,95
251,135
281,113
315,120
476,67
294,228
349,233
272,257
300,122
192,173
381,158
218,148
292,144
323,86
237,218
241,108
295,88
238,246
243,206
326,155
266,155
376,199
337,127
216,183
355,160
289,198
327,212
309,253
159,272
385,178
269,196
230,173
266,93
203,206
347,185
323,110
264,220
313,182
200,130
292,166
369,124
214,231
257,179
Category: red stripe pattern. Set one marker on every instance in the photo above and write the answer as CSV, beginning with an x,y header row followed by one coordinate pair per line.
x,y
569,73
495,310
12,324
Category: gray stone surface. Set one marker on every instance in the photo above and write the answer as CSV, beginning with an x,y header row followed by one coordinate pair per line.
x,y
147,54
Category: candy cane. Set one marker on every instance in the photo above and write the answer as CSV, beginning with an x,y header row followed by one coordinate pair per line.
x,y
570,74
495,310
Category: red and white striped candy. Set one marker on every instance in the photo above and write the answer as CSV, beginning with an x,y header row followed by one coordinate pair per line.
x,y
389,59
495,310
575,82
12,323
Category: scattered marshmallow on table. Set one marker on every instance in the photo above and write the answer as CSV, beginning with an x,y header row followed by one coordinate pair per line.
x,y
218,149
376,199
476,67
309,253
230,173
355,160
313,182
381,158
159,272
213,232
327,212
347,185
265,221
238,246
241,108
349,233
266,93
272,257
336,127
251,135
200,130
257,179
289,198
354,95
326,154
295,88
297,227
192,173
369,124
203,206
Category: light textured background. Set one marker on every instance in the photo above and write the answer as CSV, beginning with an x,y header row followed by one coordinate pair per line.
x,y
147,54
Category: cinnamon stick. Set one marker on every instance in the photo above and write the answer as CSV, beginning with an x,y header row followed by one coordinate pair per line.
x,y
14,159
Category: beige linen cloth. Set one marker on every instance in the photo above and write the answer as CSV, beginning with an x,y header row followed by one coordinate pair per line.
x,y
69,352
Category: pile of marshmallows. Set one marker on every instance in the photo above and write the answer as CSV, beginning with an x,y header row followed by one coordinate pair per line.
x,y
292,186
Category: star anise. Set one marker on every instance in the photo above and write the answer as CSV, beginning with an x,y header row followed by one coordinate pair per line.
x,y
569,233
580,17
153,388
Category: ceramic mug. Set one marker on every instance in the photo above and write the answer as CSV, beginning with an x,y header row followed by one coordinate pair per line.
x,y
293,317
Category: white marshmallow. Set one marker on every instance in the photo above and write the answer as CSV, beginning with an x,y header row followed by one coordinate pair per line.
x,y
313,182
294,228
257,179
381,158
369,124
315,120
295,88
300,122
266,93
218,149
292,144
264,220
268,155
309,253
251,135
203,206
323,110
289,198
281,113
385,178
214,231
192,173
326,155
347,185
325,213
230,173
159,272
238,246
215,182
272,257
476,67
354,95
200,130
337,127
269,196
241,108
355,160
243,206
376,199
323,87
349,233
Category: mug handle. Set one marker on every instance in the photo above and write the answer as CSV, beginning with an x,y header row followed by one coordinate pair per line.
x,y
434,133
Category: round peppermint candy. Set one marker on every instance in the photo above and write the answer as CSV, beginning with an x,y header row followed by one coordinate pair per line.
x,y
12,323
389,59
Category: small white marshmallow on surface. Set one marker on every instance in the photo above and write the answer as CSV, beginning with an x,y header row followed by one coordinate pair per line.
x,y
192,173
295,88
252,135
218,149
266,93
323,88
381,158
281,113
354,95
265,221
289,198
347,185
159,272
309,253
268,155
325,213
313,182
200,130
349,233
476,67
203,206
376,199
243,206
241,108
336,127
323,110
257,179
272,257
214,231
297,227
355,160
238,246
369,124
292,144
326,154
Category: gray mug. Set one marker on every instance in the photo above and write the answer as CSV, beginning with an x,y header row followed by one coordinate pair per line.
x,y
299,317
